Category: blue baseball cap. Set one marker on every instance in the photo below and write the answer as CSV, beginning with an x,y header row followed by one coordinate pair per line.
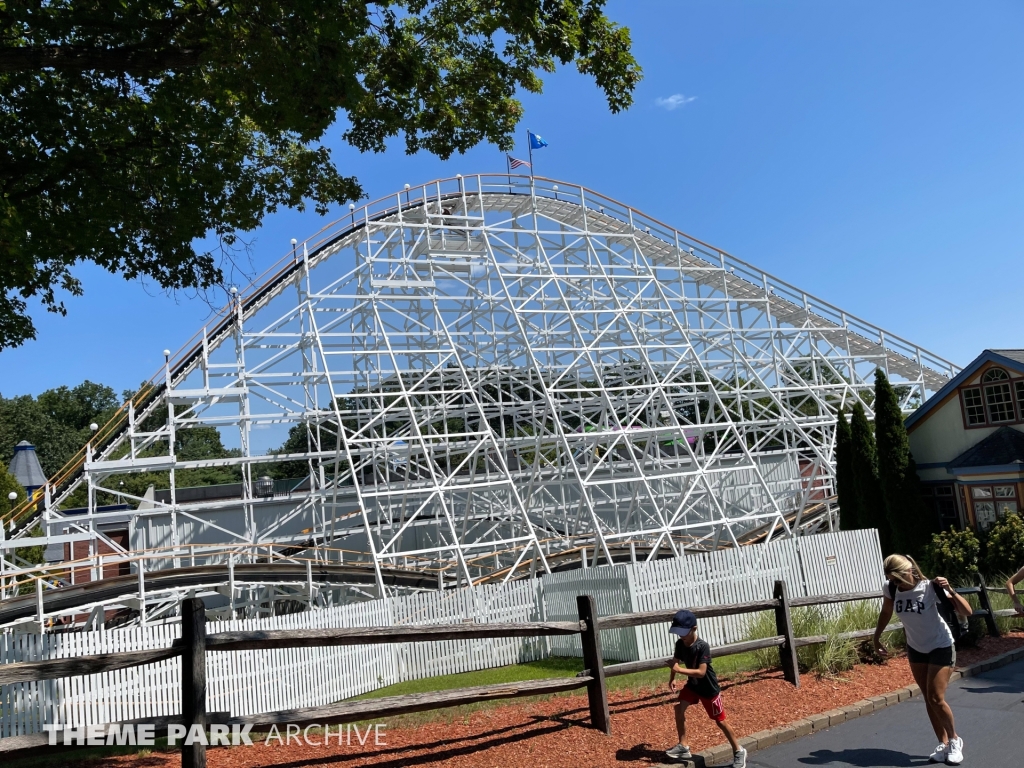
x,y
683,623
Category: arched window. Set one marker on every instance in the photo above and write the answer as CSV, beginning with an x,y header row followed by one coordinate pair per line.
x,y
991,400
998,400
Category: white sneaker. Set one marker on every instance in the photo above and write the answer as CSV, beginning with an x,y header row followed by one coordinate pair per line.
x,y
679,752
739,760
938,754
955,751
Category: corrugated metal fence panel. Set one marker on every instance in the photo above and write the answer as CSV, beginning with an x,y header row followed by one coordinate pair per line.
x,y
611,591
845,561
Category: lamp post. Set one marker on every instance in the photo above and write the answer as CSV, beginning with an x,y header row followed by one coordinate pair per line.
x,y
12,497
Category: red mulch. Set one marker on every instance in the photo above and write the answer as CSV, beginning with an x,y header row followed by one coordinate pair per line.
x,y
555,733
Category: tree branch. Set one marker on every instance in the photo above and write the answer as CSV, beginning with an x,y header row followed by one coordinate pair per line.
x,y
86,58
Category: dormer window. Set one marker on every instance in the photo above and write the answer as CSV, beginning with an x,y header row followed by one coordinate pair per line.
x,y
998,399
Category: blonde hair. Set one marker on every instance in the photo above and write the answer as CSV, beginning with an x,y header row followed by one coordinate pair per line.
x,y
903,565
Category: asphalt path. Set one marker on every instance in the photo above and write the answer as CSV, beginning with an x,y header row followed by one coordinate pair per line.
x,y
989,712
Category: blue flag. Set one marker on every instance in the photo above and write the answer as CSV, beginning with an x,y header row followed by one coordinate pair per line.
x,y
536,142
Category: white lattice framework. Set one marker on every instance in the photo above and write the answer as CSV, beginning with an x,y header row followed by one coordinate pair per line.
x,y
498,374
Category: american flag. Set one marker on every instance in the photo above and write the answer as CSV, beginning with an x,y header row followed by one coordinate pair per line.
x,y
513,163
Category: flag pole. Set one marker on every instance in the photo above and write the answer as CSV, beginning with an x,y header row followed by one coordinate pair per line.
x,y
529,143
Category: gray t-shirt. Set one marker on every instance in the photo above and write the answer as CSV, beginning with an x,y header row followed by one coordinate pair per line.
x,y
917,609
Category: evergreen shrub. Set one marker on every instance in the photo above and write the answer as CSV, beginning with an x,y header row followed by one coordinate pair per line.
x,y
954,554
1005,550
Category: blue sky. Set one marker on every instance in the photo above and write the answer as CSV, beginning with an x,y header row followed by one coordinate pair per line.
x,y
869,153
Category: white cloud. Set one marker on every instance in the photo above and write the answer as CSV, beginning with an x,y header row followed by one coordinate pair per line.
x,y
675,101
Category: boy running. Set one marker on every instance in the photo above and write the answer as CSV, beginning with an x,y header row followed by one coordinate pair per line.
x,y
692,658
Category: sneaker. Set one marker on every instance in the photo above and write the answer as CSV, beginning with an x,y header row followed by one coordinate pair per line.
x,y
938,754
955,751
679,752
739,760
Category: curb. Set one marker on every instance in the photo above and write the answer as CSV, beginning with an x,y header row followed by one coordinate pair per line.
x,y
722,754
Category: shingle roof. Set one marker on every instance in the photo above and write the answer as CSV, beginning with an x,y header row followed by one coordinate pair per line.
x,y
25,466
1012,358
1013,354
1004,446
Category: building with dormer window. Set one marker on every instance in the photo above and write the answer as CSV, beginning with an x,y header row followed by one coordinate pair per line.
x,y
968,441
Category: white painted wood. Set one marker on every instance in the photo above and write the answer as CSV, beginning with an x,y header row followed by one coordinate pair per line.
x,y
248,682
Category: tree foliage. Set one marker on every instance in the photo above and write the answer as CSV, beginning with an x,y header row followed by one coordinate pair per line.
x,y
130,130
865,474
1005,546
850,514
56,422
909,521
954,554
8,483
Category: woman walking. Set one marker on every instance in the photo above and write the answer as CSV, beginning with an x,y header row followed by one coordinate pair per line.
x,y
930,650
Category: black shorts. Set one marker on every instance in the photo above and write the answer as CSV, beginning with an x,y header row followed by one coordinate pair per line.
x,y
940,657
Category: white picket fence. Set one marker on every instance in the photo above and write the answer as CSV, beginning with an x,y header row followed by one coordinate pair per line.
x,y
246,682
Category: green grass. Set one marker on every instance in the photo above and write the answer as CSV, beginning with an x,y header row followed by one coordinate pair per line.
x,y
555,666
517,673
835,655
999,602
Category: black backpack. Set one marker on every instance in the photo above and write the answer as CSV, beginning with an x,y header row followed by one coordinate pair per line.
x,y
945,607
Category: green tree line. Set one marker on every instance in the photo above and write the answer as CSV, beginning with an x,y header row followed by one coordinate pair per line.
x,y
876,476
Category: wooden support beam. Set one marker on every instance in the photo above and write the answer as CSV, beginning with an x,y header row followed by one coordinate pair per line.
x,y
621,620
986,606
29,744
303,638
629,667
784,627
27,671
193,678
390,706
855,635
845,597
593,659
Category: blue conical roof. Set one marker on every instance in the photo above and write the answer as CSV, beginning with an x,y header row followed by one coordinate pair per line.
x,y
25,466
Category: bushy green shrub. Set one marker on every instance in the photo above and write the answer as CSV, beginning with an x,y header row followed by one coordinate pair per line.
x,y
953,554
836,654
1005,551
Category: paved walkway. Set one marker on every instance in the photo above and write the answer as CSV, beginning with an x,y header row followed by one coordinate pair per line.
x,y
989,717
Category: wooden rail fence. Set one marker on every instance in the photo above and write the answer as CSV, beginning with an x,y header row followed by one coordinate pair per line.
x,y
195,642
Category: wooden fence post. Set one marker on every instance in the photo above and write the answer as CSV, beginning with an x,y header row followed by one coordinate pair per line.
x,y
593,660
193,678
784,627
986,605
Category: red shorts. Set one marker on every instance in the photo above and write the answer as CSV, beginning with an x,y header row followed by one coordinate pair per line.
x,y
714,706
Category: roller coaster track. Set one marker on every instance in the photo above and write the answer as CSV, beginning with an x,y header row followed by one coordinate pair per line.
x,y
107,437
109,590
268,285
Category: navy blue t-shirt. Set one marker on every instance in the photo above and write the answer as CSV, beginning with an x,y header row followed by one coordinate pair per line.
x,y
691,658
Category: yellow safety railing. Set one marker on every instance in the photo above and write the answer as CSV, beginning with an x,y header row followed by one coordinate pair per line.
x,y
28,508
